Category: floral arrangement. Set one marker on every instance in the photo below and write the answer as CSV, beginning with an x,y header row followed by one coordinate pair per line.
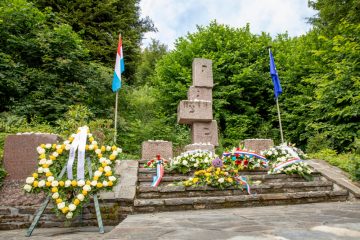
x,y
242,159
218,176
70,194
287,159
191,160
153,162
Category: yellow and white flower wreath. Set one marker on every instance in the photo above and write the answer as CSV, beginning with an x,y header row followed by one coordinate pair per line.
x,y
70,195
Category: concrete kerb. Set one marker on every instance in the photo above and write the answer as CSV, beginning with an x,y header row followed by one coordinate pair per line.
x,y
335,175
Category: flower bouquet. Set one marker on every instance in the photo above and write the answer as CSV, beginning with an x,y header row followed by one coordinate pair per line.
x,y
191,160
242,159
287,159
69,192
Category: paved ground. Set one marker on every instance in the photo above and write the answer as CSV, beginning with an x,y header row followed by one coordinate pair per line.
x,y
310,221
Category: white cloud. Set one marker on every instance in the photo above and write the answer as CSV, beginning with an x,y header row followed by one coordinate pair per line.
x,y
175,18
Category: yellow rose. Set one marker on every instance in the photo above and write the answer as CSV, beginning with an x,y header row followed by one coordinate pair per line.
x,y
84,192
108,174
99,155
54,189
61,183
96,178
103,148
35,175
48,184
48,174
76,202
91,139
87,147
74,183
59,200
99,185
59,151
65,210
52,157
41,156
195,180
110,183
101,169
112,157
35,183
113,148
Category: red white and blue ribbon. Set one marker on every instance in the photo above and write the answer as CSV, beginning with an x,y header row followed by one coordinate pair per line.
x,y
243,181
159,174
287,163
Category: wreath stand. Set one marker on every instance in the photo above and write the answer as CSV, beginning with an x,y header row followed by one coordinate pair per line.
x,y
42,208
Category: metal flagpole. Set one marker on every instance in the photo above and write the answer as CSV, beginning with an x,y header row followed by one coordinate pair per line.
x,y
116,114
116,107
278,110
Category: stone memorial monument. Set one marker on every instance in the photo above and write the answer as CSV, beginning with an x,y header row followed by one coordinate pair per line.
x,y
257,145
197,110
20,155
150,149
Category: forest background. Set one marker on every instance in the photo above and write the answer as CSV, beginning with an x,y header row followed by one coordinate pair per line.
x,y
56,67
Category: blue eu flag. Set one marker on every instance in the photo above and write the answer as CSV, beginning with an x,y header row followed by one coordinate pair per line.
x,y
274,76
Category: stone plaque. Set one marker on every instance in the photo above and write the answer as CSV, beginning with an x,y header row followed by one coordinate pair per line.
x,y
199,93
202,74
205,132
150,149
258,145
194,111
195,146
20,155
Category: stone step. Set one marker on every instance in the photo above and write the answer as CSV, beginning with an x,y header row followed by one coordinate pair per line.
x,y
264,178
203,191
15,218
210,202
14,225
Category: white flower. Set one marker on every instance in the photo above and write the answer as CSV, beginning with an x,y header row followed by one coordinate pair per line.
x,y
67,147
66,142
72,207
55,154
185,162
90,135
48,145
58,146
80,197
108,148
69,215
73,135
107,169
115,153
42,161
45,170
30,180
61,205
93,183
49,162
40,150
108,161
55,195
67,183
119,150
87,188
98,151
41,183
196,165
81,183
105,183
27,188
91,147
98,173
102,160
112,178
221,180
54,183
50,178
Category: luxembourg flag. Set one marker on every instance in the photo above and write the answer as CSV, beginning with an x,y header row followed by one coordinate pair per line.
x,y
119,67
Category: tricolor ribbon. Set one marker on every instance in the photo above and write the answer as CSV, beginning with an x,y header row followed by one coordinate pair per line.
x,y
287,163
159,173
250,154
243,181
79,143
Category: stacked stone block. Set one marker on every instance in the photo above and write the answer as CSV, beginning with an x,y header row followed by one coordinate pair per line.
x,y
197,110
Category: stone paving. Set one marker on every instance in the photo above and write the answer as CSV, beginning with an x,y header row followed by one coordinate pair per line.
x,y
340,220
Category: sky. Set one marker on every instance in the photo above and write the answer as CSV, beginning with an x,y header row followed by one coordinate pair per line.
x,y
176,18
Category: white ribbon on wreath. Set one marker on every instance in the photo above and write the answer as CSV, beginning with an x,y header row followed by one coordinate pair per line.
x,y
79,144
